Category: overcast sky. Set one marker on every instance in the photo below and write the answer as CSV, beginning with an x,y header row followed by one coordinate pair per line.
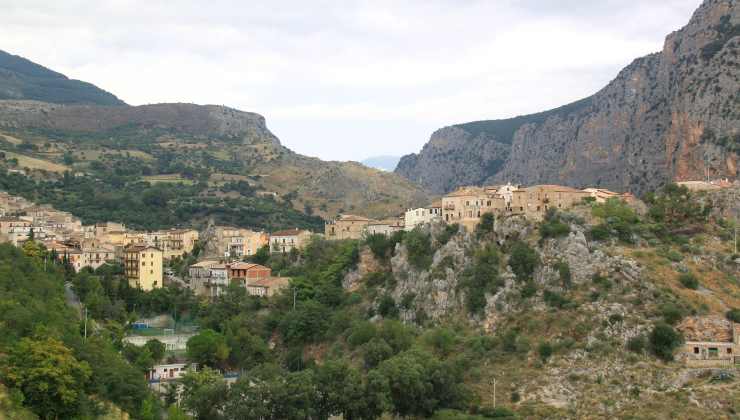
x,y
345,79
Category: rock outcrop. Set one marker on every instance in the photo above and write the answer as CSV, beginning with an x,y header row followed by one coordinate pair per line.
x,y
671,115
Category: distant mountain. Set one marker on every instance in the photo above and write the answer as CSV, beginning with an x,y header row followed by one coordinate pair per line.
x,y
23,79
240,171
384,163
671,115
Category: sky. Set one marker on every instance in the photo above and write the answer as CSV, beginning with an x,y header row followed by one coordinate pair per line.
x,y
345,80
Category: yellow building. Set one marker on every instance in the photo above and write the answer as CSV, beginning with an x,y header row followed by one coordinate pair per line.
x,y
143,266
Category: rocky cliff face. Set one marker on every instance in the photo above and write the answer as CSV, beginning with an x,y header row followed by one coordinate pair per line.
x,y
194,120
672,115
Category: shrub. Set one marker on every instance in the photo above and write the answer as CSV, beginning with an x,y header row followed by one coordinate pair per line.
x,y
523,260
599,232
481,278
387,307
689,281
380,245
556,300
637,344
529,289
566,277
553,226
485,225
664,340
672,313
447,234
733,315
545,350
361,333
419,249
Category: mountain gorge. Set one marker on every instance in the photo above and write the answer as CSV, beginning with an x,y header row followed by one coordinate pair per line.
x,y
672,115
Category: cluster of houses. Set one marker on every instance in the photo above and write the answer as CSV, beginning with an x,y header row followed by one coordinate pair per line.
x,y
466,205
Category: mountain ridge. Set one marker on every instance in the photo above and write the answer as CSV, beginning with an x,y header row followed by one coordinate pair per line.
x,y
666,116
21,78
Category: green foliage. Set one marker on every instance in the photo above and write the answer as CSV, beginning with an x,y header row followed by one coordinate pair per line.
x,y
619,220
485,225
208,348
419,248
110,196
557,300
523,260
672,313
689,281
553,226
545,350
420,384
566,278
733,315
156,348
675,208
664,340
447,234
381,245
481,278
637,344
387,307
204,393
51,379
375,351
307,324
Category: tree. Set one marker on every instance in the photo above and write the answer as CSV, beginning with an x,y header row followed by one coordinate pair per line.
x,y
204,393
664,340
208,348
339,389
485,226
306,324
523,260
50,378
156,348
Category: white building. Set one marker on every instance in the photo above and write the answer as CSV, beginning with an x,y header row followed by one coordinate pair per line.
x,y
422,215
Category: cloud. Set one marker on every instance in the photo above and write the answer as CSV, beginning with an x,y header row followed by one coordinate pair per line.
x,y
345,79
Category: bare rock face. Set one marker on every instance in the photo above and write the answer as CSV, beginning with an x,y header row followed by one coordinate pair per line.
x,y
671,115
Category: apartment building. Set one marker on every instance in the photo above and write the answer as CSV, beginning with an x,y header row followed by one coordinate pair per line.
x,y
143,266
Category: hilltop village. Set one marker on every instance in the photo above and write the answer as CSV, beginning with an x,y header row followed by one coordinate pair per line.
x,y
223,249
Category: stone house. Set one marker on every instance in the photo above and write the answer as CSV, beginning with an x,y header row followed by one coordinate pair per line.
x,y
346,226
287,240
209,278
384,227
267,287
422,215
534,201
238,242
143,266
710,341
466,205
601,195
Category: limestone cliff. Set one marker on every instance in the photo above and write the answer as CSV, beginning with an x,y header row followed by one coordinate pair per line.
x,y
672,115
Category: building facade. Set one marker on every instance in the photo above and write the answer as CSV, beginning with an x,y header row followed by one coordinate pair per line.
x,y
143,266
286,240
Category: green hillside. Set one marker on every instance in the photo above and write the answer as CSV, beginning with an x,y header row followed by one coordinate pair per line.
x,y
23,79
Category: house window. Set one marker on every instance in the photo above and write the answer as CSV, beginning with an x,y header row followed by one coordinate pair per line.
x,y
729,350
713,352
696,350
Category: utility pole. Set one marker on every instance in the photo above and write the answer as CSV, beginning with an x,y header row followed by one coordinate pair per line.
x,y
494,392
295,294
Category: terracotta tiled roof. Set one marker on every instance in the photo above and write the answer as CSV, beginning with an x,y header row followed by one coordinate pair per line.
x,y
465,191
246,266
353,218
